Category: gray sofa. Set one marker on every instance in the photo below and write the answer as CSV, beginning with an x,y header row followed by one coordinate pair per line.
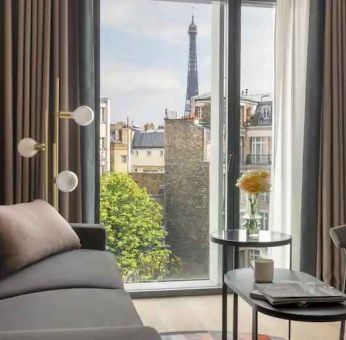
x,y
73,295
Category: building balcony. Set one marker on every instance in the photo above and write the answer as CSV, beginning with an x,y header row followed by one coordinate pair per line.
x,y
260,121
258,159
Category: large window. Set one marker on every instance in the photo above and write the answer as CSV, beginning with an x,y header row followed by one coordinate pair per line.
x,y
260,146
257,84
163,68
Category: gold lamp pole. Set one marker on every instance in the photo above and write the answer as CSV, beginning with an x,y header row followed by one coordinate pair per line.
x,y
46,158
56,146
66,180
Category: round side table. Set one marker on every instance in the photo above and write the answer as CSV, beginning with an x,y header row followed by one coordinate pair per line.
x,y
238,238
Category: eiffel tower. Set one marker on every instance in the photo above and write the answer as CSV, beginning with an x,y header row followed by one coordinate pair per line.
x,y
192,72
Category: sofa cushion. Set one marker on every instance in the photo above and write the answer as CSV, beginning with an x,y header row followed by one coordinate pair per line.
x,y
74,269
69,308
32,231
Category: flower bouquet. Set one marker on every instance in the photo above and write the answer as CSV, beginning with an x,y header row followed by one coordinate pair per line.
x,y
253,182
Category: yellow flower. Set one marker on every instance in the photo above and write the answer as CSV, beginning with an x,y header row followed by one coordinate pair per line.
x,y
254,181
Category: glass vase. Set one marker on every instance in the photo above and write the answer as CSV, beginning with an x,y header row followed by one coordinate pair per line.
x,y
253,220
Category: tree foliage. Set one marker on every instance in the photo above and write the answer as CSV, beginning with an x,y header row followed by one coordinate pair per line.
x,y
133,221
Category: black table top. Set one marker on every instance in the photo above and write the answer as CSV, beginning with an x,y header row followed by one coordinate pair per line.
x,y
242,282
239,237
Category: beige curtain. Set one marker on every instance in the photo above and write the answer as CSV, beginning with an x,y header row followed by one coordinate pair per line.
x,y
332,179
42,41
24,77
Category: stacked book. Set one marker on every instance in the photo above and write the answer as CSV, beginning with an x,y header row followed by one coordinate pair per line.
x,y
296,292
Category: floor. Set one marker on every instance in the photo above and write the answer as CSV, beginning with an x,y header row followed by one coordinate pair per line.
x,y
204,313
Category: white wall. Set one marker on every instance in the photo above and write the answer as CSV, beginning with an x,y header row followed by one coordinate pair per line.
x,y
140,158
105,132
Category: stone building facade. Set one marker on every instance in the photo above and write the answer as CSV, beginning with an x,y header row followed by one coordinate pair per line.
x,y
255,143
121,135
147,151
154,184
255,149
105,144
256,146
201,108
187,194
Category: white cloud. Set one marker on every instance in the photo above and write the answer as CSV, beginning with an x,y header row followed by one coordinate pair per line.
x,y
257,55
205,75
156,20
141,93
128,78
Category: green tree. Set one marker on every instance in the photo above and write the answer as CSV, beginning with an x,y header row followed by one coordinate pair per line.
x,y
133,221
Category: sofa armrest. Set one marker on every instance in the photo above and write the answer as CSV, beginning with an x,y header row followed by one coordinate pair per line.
x,y
104,333
338,236
92,236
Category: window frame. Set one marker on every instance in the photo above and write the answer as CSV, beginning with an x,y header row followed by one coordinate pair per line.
x,y
213,284
260,144
233,65
232,41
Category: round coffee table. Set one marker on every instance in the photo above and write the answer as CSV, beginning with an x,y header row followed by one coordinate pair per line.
x,y
238,238
242,282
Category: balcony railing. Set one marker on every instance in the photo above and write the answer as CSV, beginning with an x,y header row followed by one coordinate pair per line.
x,y
260,121
258,159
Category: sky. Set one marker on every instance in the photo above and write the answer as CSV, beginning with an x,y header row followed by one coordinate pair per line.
x,y
144,54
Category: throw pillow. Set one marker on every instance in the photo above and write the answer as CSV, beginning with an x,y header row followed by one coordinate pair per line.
x,y
32,231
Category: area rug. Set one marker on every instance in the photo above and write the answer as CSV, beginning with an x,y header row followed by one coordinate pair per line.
x,y
204,335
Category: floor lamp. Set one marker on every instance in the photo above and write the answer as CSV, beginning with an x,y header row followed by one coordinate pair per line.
x,y
65,181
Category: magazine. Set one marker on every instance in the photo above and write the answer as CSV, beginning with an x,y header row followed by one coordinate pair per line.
x,y
293,292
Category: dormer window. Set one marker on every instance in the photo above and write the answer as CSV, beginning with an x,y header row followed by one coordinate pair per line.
x,y
266,113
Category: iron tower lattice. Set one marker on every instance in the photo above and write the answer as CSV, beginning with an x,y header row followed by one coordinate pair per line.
x,y
192,71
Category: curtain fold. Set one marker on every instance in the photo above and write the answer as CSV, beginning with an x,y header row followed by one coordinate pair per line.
x,y
311,157
42,41
87,96
324,181
292,20
6,114
332,170
97,68
21,97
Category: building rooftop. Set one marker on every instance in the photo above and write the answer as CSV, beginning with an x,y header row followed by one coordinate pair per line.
x,y
152,139
104,100
265,103
247,99
202,97
263,114
207,97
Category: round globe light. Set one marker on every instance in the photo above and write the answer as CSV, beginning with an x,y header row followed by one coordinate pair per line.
x,y
26,147
66,181
83,115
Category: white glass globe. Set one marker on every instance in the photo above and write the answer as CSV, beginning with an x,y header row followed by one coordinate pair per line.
x,y
66,181
26,147
83,115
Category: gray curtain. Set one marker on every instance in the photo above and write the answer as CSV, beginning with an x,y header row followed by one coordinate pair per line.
x,y
311,149
324,203
42,41
83,19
